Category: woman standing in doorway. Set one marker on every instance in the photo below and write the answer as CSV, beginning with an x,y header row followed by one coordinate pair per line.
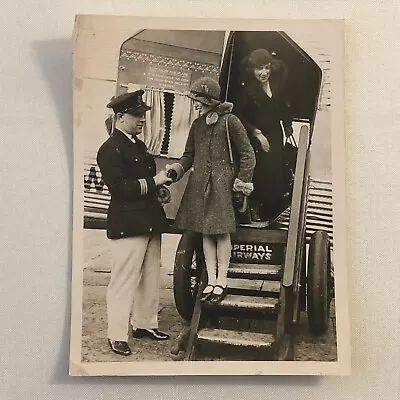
x,y
261,106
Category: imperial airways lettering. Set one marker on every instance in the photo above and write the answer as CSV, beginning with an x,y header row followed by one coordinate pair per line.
x,y
251,252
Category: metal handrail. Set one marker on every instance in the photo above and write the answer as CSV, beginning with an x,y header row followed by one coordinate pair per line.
x,y
289,296
301,240
296,211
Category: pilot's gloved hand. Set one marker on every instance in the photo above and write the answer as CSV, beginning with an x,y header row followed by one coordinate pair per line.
x,y
174,171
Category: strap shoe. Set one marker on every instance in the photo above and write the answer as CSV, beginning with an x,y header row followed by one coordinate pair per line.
x,y
207,291
218,295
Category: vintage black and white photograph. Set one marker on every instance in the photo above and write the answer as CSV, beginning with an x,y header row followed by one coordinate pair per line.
x,y
209,200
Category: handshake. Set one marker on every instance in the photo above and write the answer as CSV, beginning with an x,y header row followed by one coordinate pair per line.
x,y
164,178
172,173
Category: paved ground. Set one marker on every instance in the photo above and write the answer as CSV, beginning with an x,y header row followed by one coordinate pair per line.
x,y
94,334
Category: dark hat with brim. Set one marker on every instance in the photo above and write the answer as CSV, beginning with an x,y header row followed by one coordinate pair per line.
x,y
129,103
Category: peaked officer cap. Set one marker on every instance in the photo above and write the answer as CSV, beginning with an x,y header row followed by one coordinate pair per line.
x,y
131,103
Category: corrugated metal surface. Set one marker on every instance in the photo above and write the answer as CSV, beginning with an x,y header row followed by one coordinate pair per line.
x,y
319,209
96,193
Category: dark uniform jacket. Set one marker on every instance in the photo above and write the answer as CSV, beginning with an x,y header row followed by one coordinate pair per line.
x,y
127,169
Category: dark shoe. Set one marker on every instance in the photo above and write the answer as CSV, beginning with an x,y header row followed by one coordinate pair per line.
x,y
154,334
120,347
205,296
216,298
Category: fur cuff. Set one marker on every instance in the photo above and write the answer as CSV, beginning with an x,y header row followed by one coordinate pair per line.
x,y
245,187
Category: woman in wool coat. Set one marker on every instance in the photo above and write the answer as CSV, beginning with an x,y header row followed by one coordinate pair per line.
x,y
207,205
261,106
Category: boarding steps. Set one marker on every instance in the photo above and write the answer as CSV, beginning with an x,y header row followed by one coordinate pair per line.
x,y
244,325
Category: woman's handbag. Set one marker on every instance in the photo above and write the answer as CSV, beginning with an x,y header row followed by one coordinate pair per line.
x,y
290,150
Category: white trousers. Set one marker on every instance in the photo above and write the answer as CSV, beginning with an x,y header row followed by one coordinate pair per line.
x,y
134,288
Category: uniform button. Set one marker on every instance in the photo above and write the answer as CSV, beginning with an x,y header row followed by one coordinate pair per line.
x,y
122,233
150,229
136,159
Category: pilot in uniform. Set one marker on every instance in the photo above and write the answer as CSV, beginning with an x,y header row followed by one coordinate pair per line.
x,y
135,221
